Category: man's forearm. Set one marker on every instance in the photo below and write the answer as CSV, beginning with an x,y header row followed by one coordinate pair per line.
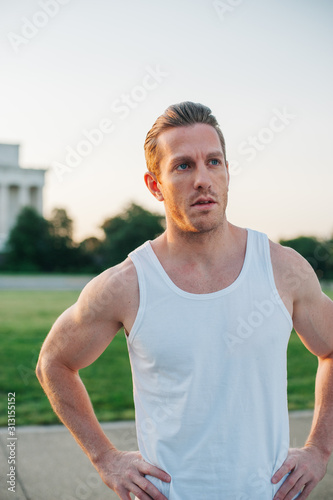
x,y
123,472
321,434
70,401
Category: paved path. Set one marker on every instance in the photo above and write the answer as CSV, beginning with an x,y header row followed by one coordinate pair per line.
x,y
51,466
43,282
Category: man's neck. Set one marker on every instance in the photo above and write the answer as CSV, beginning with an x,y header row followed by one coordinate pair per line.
x,y
204,248
202,264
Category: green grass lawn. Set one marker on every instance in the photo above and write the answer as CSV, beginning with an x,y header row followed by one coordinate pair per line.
x,y
27,316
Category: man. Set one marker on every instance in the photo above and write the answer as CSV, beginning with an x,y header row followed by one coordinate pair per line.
x,y
207,309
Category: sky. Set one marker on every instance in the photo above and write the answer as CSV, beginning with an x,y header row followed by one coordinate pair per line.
x,y
83,81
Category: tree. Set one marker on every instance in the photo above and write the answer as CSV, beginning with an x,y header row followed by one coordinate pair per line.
x,y
90,249
36,244
66,255
29,244
128,230
62,225
319,253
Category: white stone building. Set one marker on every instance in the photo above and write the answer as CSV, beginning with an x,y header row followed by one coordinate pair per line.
x,y
19,187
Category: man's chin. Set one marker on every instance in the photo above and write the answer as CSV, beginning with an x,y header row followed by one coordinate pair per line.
x,y
204,227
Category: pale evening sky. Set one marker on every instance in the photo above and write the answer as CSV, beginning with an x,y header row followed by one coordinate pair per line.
x,y
69,67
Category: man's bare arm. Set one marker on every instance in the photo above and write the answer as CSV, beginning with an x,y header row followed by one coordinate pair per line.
x,y
313,321
77,339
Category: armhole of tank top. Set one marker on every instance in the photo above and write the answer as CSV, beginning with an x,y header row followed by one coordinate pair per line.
x,y
142,297
270,273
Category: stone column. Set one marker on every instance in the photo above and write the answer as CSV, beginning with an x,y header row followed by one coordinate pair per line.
x,y
3,214
24,198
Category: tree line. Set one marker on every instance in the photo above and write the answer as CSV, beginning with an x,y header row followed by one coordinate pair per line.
x,y
36,244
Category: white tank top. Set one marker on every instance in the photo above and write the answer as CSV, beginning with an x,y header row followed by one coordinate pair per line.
x,y
210,380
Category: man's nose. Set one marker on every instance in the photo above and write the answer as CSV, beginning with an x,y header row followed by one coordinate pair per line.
x,y
202,178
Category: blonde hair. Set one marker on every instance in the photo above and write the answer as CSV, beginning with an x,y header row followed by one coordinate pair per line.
x,y
178,115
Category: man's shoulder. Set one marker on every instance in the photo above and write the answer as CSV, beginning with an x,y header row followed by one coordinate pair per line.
x,y
112,290
291,270
286,257
117,279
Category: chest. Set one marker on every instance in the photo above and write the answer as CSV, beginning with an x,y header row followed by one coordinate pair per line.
x,y
194,279
204,335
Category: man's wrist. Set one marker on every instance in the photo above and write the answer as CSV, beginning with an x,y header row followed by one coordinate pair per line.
x,y
321,449
108,453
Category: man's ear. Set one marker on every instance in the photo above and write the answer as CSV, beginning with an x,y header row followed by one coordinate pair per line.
x,y
153,185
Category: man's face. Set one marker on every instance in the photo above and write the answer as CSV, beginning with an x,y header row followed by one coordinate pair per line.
x,y
194,178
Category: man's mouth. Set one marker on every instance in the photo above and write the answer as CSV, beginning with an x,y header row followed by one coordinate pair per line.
x,y
203,202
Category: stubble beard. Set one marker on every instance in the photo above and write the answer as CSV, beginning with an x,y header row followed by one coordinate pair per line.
x,y
203,224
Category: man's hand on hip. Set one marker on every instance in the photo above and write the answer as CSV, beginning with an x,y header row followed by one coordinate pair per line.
x,y
124,472
306,467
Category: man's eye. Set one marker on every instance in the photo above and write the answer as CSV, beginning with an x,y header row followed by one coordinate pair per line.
x,y
183,166
215,162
